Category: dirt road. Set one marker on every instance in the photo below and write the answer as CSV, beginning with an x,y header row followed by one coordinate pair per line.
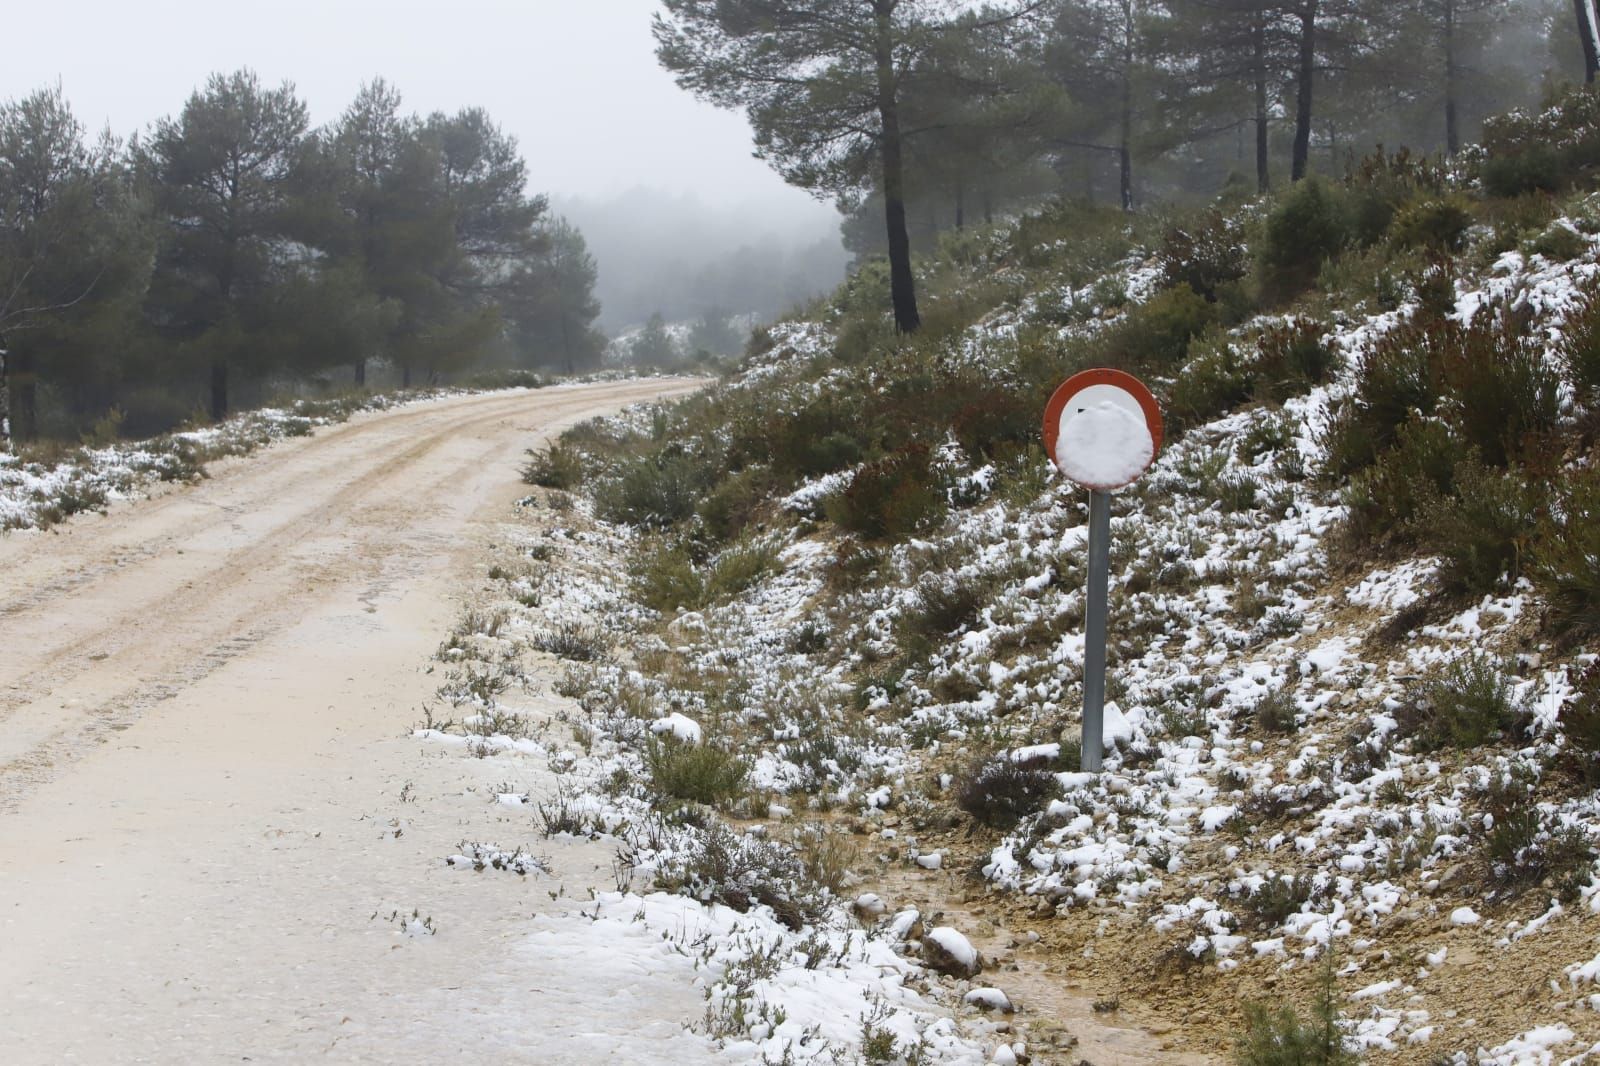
x,y
210,813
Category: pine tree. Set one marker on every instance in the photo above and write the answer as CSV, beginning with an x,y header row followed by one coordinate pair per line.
x,y
224,174
823,83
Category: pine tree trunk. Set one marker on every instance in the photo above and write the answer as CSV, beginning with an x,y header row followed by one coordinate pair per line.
x,y
1258,41
902,283
361,373
1125,145
1589,34
1303,86
5,403
219,390
24,397
1452,129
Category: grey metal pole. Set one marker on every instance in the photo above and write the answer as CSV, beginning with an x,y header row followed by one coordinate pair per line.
x,y
1094,649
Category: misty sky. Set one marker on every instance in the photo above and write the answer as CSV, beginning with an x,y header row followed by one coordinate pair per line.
x,y
574,80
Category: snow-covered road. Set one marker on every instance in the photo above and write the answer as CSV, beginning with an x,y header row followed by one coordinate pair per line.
x,y
212,822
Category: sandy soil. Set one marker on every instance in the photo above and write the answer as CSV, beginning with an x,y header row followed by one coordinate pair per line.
x,y
209,810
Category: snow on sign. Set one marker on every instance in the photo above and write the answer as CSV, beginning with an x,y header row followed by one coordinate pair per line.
x,y
1102,428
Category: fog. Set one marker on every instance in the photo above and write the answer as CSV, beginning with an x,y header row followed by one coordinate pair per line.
x,y
574,80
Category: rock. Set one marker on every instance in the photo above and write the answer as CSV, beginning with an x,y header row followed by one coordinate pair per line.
x,y
987,999
871,905
933,860
946,950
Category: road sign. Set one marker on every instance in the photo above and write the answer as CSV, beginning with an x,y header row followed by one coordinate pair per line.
x,y
1102,428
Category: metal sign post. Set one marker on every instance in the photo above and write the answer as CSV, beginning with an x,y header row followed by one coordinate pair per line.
x,y
1102,428
1094,648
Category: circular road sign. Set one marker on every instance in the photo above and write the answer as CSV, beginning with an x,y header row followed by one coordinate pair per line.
x,y
1102,428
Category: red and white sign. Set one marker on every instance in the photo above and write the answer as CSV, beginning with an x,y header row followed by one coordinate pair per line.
x,y
1102,428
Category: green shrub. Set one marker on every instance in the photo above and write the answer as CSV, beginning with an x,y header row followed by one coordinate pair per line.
x,y
1276,712
891,498
1580,348
739,567
1280,1038
559,466
1000,791
699,773
1438,225
654,491
1293,357
1566,554
665,579
1206,256
1398,378
733,505
1308,226
1541,150
1466,705
1157,333
1278,898
1383,184
1212,383
575,642
1482,530
1580,724
1385,498
1503,399
1559,242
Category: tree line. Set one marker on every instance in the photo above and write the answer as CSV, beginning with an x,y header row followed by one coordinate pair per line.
x,y
233,246
920,114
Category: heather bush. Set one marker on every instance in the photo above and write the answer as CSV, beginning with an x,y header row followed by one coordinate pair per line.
x,y
1437,224
1502,398
1206,256
1566,554
1000,791
1385,498
891,498
1156,334
1482,529
1466,705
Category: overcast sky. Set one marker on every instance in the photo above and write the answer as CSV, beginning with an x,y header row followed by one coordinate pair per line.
x,y
575,80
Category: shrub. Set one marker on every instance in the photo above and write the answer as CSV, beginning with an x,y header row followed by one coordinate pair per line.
x,y
945,604
739,567
1278,898
1580,348
1307,226
995,423
1580,722
734,504
1543,150
666,579
1205,257
1559,242
891,498
699,773
1001,791
1280,1038
1566,554
717,865
1466,705
1439,225
1385,498
1398,378
1213,382
559,466
1503,399
1276,712
579,643
1482,530
655,491
1293,356
1157,333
